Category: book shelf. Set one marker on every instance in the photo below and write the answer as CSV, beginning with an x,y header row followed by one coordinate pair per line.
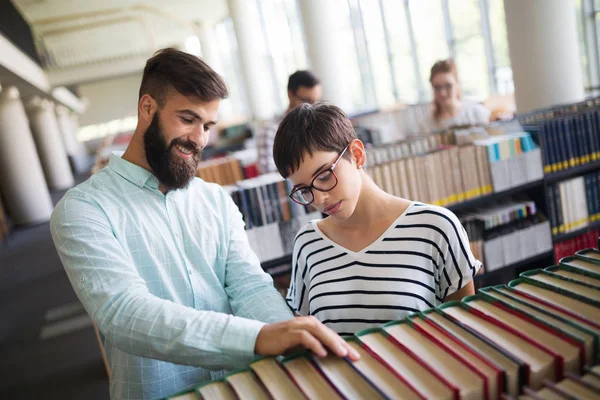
x,y
569,235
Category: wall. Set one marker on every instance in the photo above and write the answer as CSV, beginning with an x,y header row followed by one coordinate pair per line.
x,y
110,99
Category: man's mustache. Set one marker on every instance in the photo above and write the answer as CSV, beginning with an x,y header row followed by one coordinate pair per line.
x,y
188,144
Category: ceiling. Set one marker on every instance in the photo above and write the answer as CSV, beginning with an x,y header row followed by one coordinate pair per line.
x,y
72,34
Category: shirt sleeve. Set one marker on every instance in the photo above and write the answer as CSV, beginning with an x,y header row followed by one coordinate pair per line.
x,y
250,289
116,297
297,295
460,265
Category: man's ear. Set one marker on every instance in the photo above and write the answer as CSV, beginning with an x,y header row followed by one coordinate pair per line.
x,y
147,106
359,155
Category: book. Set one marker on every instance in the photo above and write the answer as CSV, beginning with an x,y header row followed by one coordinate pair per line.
x,y
275,380
421,377
494,375
563,301
308,378
588,279
570,352
575,388
218,390
346,379
392,386
246,385
574,330
515,370
541,363
469,381
579,289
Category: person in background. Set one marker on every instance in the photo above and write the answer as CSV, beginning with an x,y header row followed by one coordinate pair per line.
x,y
303,87
448,109
160,259
376,257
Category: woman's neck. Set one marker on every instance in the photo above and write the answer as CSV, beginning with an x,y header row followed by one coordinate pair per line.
x,y
373,204
451,110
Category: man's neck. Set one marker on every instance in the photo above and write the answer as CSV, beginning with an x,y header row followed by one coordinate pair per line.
x,y
136,154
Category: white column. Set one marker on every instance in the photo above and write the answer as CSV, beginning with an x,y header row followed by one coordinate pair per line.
x,y
322,31
75,150
21,176
209,48
254,67
49,143
544,52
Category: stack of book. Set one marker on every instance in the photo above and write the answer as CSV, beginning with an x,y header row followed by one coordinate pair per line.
x,y
506,233
514,160
574,204
272,218
4,228
222,171
536,336
570,246
569,134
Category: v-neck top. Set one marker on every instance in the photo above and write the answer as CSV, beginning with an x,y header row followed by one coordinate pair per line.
x,y
420,259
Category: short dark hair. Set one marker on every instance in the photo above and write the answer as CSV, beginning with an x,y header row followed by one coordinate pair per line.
x,y
308,128
302,78
184,72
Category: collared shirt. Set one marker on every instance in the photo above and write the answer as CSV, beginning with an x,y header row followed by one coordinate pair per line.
x,y
169,280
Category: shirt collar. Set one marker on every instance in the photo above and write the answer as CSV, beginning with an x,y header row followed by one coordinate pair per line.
x,y
132,172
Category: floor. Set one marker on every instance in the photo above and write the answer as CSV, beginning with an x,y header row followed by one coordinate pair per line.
x,y
47,344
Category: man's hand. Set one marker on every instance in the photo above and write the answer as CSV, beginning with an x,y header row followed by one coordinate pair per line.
x,y
276,339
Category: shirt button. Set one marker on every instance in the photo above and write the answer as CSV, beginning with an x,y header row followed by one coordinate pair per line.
x,y
190,271
139,182
82,279
177,235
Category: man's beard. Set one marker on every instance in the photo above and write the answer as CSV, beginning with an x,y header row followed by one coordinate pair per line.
x,y
171,170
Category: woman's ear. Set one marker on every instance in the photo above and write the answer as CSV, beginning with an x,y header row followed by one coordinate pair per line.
x,y
359,155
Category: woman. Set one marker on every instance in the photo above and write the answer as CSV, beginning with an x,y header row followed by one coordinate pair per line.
x,y
448,110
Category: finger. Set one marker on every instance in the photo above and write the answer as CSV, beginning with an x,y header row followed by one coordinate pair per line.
x,y
307,340
327,336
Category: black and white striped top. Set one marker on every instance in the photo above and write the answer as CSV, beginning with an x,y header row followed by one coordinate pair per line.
x,y
420,259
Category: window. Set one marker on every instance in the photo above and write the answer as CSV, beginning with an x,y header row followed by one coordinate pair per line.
x,y
404,69
499,44
469,48
286,53
428,26
378,57
234,107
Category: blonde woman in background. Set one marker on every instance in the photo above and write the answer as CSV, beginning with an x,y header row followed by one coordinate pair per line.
x,y
448,109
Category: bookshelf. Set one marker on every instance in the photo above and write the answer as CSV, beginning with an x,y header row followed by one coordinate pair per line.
x,y
572,172
570,235
511,271
489,198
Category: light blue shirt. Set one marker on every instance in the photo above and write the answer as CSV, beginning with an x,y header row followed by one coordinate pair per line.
x,y
169,280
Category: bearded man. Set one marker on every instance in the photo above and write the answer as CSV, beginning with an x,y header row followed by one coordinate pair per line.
x,y
160,259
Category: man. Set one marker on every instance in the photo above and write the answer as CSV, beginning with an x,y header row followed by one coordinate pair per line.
x,y
303,87
160,259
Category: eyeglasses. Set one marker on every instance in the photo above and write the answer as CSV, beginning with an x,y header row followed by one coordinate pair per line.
x,y
324,182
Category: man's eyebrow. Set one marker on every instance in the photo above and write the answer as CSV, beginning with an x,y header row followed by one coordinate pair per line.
x,y
190,113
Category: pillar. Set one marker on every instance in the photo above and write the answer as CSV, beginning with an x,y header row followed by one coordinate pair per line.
x,y
75,150
21,177
49,143
250,43
321,28
544,53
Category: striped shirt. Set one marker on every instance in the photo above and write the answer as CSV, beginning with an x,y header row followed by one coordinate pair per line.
x,y
420,259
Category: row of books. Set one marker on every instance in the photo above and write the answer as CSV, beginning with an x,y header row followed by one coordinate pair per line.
x,y
272,219
222,171
538,333
443,177
570,141
507,234
570,246
574,204
569,133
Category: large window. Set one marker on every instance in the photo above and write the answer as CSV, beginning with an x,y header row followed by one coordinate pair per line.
x,y
236,106
286,53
